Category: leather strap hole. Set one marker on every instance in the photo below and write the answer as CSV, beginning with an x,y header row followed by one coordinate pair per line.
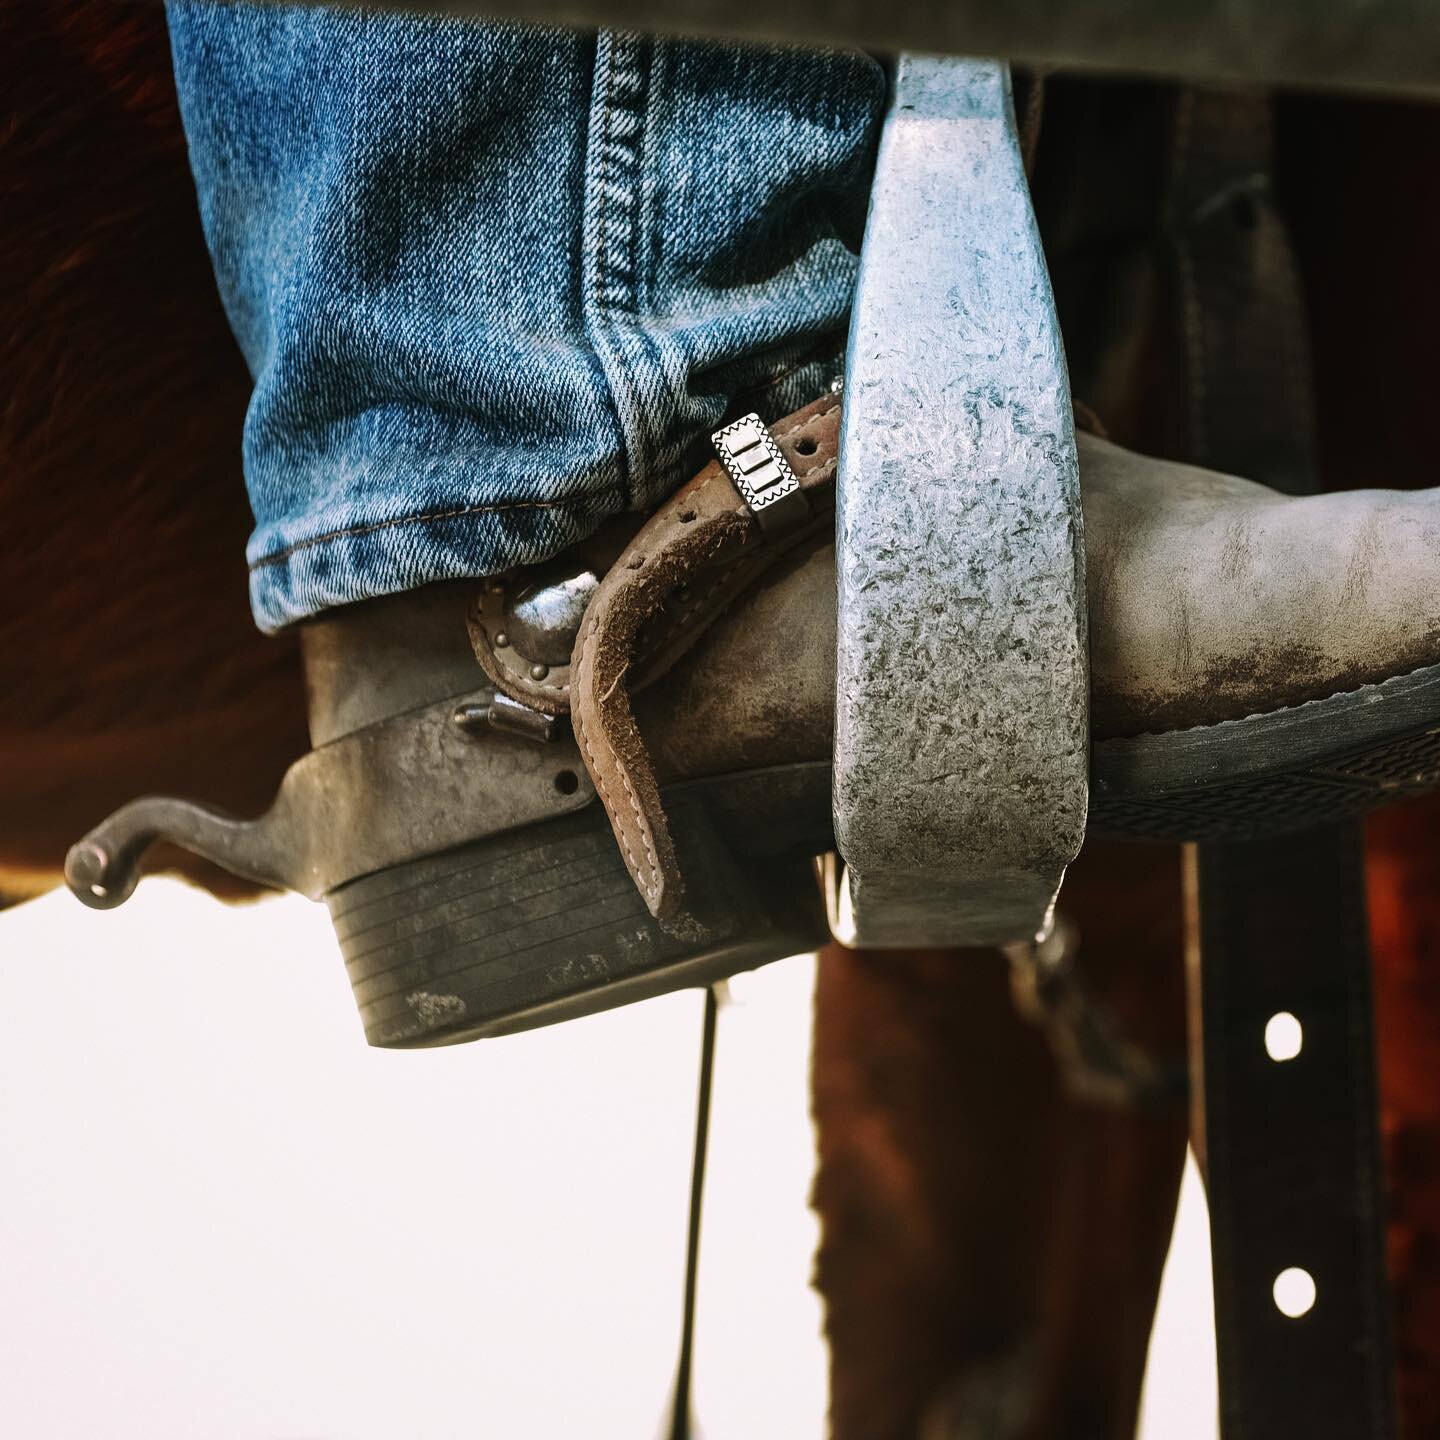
x,y
806,445
567,782
1294,1292
686,516
1284,1037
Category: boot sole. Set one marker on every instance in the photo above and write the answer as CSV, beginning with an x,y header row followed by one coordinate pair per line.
x,y
1268,773
545,924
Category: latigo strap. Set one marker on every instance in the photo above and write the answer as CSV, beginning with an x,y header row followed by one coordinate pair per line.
x,y
1295,1177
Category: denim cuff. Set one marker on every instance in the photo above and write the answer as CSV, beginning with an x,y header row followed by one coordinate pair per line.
x,y
496,283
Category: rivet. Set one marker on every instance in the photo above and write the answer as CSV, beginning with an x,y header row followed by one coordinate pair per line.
x,y
539,672
501,640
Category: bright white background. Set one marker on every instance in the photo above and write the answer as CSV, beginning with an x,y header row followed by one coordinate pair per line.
x,y
221,1214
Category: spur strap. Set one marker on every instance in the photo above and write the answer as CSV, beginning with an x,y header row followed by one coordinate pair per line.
x,y
772,492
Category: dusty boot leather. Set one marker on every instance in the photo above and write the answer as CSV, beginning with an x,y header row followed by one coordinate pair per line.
x,y
1212,600
1257,661
552,919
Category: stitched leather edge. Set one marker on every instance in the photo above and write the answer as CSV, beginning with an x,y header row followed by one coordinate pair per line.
x,y
705,536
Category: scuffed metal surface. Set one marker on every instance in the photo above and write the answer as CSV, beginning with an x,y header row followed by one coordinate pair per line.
x,y
961,687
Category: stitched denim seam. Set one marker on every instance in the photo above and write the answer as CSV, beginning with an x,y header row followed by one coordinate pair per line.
x,y
610,286
592,292
829,348
645,237
424,518
651,193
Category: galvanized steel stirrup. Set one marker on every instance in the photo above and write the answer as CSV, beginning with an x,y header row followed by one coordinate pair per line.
x,y
961,724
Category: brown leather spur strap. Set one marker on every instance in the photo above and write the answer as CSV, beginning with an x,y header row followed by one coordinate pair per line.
x,y
701,549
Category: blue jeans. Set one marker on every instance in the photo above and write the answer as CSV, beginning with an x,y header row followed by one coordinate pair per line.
x,y
497,284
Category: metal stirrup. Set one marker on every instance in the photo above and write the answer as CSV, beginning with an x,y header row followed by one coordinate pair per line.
x,y
961,725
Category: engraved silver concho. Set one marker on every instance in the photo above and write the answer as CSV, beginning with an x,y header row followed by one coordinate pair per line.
x,y
761,473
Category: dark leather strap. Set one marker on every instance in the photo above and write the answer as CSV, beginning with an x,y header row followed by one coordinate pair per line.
x,y
1292,1149
700,550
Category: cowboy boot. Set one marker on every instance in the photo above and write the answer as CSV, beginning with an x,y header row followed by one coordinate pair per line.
x,y
1258,662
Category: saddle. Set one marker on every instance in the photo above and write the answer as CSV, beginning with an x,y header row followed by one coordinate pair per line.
x,y
859,649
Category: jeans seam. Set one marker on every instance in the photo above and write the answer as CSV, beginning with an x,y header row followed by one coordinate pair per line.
x,y
663,459
608,287
425,517
829,347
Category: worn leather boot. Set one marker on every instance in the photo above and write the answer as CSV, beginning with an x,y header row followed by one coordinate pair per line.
x,y
554,791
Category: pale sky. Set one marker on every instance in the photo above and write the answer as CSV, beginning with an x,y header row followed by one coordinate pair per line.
x,y
223,1215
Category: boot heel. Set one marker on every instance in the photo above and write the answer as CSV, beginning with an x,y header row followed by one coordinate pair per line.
x,y
545,924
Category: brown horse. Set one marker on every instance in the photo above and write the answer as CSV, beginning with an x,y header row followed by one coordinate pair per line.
x,y
987,1242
